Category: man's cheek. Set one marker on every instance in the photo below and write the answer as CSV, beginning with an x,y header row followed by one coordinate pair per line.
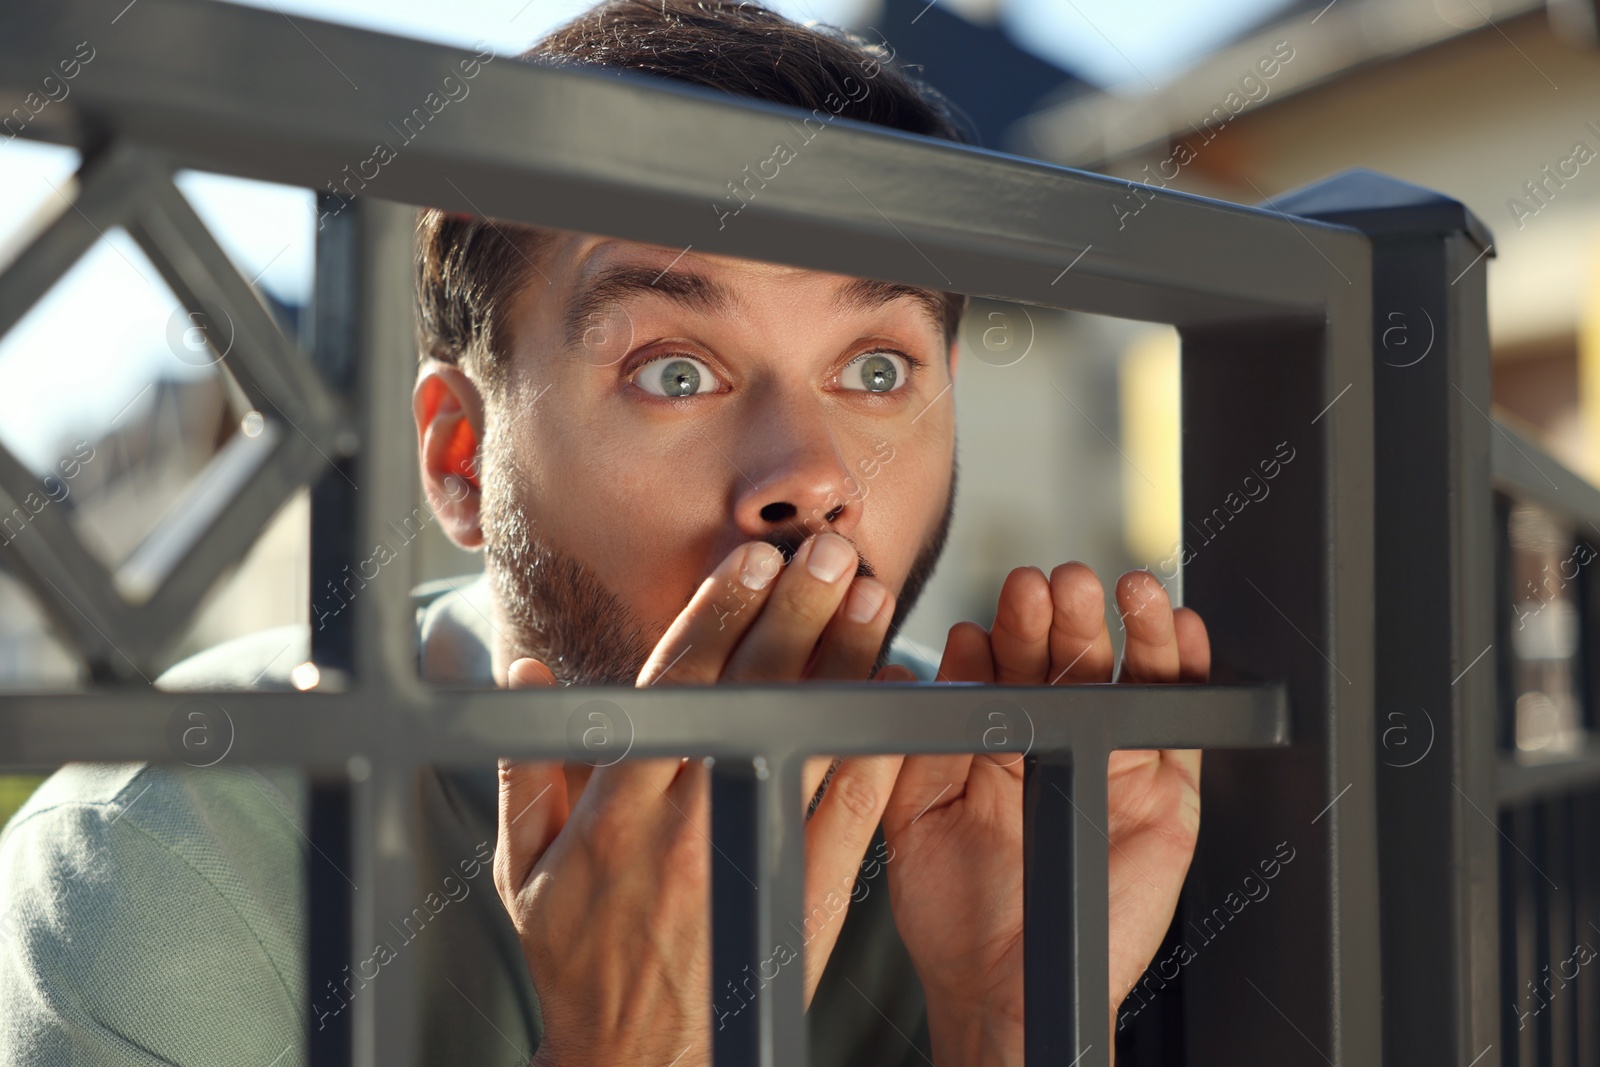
x,y
902,513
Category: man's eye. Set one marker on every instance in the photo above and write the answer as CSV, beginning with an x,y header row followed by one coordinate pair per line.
x,y
876,372
675,376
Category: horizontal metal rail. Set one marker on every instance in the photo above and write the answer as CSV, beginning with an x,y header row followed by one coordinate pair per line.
x,y
1525,470
606,154
1523,778
450,725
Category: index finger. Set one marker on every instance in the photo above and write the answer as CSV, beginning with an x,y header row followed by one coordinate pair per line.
x,y
696,647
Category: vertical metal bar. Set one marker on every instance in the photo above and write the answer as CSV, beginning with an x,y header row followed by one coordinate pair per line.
x,y
781,812
1511,1052
364,347
1555,844
364,870
1586,829
1534,846
735,951
1587,601
1066,906
758,905
387,1030
385,649
328,926
386,652
1286,580
335,337
1049,911
332,944
1505,694
1520,933
1091,902
1586,913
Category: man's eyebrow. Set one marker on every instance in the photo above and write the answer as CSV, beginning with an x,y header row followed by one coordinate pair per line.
x,y
613,285
864,294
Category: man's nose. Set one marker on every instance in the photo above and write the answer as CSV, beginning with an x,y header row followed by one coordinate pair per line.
x,y
801,486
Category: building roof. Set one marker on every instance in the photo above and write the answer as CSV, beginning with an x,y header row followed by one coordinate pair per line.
x,y
990,79
1328,40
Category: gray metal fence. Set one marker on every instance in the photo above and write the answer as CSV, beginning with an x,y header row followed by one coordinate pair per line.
x,y
1369,586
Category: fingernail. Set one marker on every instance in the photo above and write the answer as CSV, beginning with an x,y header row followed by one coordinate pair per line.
x,y
866,597
761,564
831,556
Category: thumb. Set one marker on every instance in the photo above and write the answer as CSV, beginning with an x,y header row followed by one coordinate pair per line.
x,y
533,800
529,673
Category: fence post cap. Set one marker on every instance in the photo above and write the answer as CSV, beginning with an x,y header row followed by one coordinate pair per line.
x,y
1379,206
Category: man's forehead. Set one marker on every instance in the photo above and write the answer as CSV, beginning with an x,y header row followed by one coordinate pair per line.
x,y
712,281
591,256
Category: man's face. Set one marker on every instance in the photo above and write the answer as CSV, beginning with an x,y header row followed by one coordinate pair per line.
x,y
659,408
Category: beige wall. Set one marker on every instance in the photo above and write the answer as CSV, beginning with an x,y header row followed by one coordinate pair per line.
x,y
1474,118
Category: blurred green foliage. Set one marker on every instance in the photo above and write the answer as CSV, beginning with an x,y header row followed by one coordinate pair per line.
x,y
15,789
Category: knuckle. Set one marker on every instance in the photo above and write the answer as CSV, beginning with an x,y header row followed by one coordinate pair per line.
x,y
855,796
685,851
1077,591
805,599
733,599
502,875
1182,831
1022,630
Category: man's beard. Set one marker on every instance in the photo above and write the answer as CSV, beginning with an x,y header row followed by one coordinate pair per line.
x,y
560,613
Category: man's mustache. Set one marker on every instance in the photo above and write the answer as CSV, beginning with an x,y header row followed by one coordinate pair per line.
x,y
790,545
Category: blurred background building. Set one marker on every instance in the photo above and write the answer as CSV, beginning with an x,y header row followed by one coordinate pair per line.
x,y
1068,423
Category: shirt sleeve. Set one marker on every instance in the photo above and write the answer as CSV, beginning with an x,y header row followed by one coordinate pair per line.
x,y
154,922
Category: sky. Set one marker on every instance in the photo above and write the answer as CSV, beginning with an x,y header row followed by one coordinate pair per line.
x,y
1121,45
79,362
82,358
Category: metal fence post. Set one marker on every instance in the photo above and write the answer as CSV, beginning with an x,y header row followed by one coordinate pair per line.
x,y
1435,594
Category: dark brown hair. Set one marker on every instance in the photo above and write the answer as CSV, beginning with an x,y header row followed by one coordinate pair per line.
x,y
469,268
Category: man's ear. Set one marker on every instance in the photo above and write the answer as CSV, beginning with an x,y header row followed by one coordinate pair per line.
x,y
449,413
955,358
